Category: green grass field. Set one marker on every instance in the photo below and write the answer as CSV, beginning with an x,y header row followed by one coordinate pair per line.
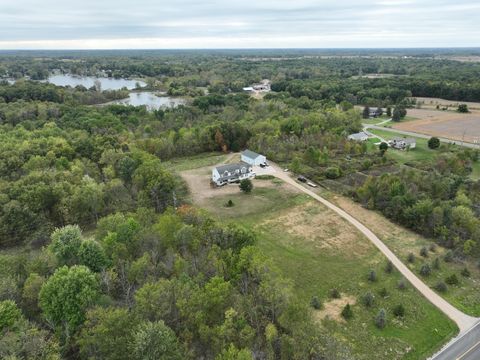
x,y
420,153
320,251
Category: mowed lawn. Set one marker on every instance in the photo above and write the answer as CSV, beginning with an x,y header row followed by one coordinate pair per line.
x,y
319,251
420,153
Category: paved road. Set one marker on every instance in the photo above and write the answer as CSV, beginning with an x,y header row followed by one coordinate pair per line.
x,y
463,321
466,346
423,136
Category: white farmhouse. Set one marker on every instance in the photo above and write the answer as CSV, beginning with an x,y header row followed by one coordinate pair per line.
x,y
230,173
253,158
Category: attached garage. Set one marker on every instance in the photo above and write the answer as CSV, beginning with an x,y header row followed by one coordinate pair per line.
x,y
252,158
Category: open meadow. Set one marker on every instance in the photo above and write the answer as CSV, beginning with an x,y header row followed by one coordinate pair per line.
x,y
320,252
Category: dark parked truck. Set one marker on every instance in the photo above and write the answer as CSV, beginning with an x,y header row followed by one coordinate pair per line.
x,y
302,178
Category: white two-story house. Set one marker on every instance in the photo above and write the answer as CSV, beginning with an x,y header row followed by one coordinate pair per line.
x,y
230,173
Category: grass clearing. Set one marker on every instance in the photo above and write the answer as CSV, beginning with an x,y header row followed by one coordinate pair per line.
x,y
420,153
196,161
319,251
465,296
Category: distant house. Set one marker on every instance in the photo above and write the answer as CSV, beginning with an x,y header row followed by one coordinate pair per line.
x,y
264,86
230,173
375,112
253,158
403,143
361,136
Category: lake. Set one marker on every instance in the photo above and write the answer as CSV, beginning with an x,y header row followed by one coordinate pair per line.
x,y
152,101
89,81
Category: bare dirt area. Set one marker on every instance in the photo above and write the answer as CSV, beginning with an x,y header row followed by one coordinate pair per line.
x,y
198,182
446,124
332,310
322,227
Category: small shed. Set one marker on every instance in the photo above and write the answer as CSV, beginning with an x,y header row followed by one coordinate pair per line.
x,y
252,158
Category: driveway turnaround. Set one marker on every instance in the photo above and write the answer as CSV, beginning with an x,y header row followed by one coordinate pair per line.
x,y
463,321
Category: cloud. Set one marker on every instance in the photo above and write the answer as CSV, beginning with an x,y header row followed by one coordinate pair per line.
x,y
229,23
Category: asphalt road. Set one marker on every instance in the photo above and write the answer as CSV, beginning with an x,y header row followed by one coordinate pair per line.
x,y
466,346
423,136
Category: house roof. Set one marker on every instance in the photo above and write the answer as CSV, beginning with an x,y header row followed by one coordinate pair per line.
x,y
358,136
231,167
250,154
406,140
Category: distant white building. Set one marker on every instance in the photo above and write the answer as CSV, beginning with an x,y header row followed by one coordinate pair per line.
x,y
403,143
252,158
361,136
230,173
264,86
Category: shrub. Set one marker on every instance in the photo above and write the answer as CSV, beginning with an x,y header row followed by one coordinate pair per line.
x,y
452,280
440,286
368,299
436,264
389,267
246,186
372,276
315,303
432,247
347,312
381,319
434,143
383,292
335,294
399,310
463,108
424,252
383,147
465,272
411,258
229,203
402,284
425,270
448,257
332,172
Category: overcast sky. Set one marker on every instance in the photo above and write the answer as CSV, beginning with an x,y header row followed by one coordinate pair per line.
x,y
107,24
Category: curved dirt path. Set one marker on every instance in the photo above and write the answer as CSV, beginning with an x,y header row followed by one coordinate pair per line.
x,y
463,321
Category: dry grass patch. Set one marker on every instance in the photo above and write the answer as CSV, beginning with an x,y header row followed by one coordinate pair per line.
x,y
332,310
320,226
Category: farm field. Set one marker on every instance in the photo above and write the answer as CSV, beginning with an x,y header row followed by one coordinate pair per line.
x,y
319,251
447,124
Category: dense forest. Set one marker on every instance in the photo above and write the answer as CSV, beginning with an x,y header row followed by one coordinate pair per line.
x,y
105,257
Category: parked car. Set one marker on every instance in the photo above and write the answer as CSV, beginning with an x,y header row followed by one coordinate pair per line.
x,y
285,170
263,166
312,184
302,178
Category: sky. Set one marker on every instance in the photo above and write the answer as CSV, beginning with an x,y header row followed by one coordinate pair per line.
x,y
178,24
